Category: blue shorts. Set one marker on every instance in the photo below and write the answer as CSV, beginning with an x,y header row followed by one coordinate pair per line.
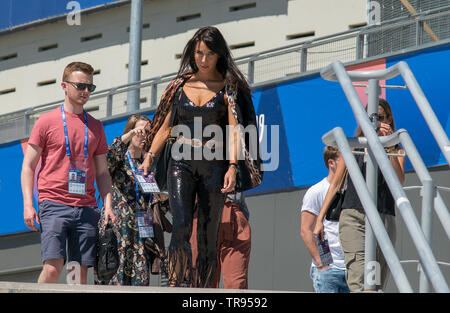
x,y
68,228
329,280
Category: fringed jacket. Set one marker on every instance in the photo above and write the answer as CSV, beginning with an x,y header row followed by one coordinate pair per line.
x,y
249,171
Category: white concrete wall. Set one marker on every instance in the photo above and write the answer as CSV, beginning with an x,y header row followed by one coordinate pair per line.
x,y
267,24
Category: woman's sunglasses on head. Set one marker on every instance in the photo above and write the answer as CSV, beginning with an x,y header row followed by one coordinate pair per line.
x,y
83,86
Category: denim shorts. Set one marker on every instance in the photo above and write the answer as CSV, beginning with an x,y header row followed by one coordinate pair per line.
x,y
331,280
68,232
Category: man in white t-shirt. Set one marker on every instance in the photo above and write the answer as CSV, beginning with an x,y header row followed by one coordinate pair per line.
x,y
329,278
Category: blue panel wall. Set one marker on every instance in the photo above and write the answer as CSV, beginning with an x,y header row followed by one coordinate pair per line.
x,y
303,110
11,207
431,68
18,12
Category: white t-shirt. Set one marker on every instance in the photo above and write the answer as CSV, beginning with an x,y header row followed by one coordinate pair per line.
x,y
312,202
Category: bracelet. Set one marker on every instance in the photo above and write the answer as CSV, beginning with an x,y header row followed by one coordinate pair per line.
x,y
233,164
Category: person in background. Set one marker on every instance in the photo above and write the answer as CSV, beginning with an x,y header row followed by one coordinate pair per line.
x,y
326,278
352,219
140,251
233,244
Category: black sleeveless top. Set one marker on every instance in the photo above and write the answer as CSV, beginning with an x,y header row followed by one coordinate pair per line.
x,y
385,201
213,112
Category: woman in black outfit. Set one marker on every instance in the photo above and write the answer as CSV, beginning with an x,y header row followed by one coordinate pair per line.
x,y
210,92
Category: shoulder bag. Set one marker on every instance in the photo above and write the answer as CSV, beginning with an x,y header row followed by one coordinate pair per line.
x,y
107,261
160,166
335,207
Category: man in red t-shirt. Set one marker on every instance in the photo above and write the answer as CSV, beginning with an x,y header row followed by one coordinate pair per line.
x,y
72,147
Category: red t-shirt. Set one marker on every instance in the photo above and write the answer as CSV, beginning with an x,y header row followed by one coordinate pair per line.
x,y
53,177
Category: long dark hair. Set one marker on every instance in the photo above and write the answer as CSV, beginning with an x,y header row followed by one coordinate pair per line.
x,y
214,40
387,110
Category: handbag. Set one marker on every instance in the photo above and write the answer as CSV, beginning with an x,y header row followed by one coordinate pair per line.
x,y
107,261
335,207
160,166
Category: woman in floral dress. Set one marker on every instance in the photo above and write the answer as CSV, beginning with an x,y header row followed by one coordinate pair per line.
x,y
139,255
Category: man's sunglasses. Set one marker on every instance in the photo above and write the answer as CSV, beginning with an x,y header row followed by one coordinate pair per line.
x,y
83,86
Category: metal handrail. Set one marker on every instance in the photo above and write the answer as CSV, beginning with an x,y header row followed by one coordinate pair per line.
x,y
337,135
417,261
401,68
336,72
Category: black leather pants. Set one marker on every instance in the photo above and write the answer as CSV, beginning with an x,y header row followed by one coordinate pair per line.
x,y
186,181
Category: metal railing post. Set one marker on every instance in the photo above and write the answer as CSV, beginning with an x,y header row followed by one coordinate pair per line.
x,y
251,71
303,59
373,91
427,193
419,32
423,174
154,94
26,123
109,103
359,46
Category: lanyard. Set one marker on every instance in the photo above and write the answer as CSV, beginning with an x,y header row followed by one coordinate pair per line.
x,y
66,135
133,168
134,171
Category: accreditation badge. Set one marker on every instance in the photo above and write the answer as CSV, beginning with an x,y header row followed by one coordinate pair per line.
x,y
145,224
147,183
77,177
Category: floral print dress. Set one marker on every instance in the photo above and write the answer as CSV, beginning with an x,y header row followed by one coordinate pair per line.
x,y
138,257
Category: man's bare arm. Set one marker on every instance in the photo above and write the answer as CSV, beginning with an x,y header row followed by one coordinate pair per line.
x,y
306,230
104,185
30,161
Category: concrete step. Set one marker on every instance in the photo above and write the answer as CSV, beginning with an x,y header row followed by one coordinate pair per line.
x,y
16,287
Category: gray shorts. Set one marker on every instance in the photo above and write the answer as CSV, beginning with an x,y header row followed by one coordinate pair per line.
x,y
68,227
